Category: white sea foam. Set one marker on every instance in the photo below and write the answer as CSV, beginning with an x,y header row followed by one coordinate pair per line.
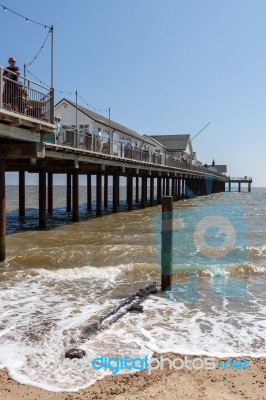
x,y
48,307
87,272
258,251
42,308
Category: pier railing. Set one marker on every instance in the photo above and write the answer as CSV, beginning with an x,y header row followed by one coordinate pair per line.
x,y
25,97
83,139
243,178
30,100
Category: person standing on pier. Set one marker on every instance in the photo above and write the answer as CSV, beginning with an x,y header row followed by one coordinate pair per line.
x,y
10,93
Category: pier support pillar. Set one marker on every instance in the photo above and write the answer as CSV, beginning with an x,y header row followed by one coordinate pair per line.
x,y
186,188
159,190
75,197
151,191
42,198
68,193
21,200
183,189
163,186
118,190
167,184
204,187
249,187
173,188
213,187
167,243
201,186
192,186
239,186
2,211
137,189
89,192
143,191
127,189
50,192
198,187
130,192
222,186
99,194
115,192
178,188
105,195
195,186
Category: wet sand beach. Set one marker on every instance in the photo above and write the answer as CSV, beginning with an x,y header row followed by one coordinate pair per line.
x,y
54,283
168,384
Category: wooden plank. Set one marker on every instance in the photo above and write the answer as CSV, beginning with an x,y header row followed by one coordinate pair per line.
x,y
16,151
17,133
20,120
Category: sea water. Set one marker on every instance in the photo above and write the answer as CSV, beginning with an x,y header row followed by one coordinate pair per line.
x,y
55,282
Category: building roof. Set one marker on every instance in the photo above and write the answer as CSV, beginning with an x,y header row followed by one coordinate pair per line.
x,y
154,141
218,168
173,142
105,121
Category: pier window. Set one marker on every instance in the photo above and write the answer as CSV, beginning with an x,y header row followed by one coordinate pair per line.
x,y
95,130
106,133
84,127
83,130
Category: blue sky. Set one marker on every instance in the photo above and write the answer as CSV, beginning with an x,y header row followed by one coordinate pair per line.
x,y
162,66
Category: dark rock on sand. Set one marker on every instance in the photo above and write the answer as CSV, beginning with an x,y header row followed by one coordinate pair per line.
x,y
75,353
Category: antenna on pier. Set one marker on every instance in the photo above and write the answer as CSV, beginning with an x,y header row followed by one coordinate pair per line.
x,y
200,131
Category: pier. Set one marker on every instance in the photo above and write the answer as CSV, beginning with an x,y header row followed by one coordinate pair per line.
x,y
23,150
239,181
31,143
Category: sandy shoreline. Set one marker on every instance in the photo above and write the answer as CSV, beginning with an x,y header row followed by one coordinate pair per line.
x,y
168,384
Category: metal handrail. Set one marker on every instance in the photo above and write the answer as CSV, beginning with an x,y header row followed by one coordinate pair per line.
x,y
245,178
29,99
26,97
29,81
94,143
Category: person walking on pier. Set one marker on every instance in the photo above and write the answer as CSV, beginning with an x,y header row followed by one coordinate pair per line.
x,y
10,93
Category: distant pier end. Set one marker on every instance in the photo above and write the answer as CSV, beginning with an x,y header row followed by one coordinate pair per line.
x,y
238,180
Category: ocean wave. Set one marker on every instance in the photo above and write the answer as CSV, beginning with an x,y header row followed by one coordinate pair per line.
x,y
257,252
239,270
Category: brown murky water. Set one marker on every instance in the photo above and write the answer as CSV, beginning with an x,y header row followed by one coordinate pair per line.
x,y
55,282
